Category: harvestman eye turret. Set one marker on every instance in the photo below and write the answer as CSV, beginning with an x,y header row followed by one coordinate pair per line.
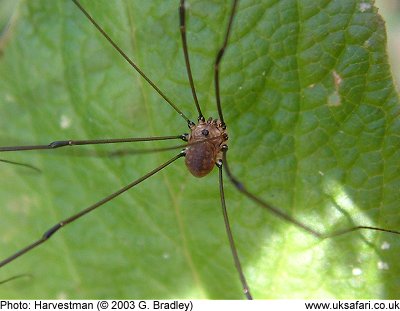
x,y
206,146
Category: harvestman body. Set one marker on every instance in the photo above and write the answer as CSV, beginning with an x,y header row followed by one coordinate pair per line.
x,y
201,158
206,147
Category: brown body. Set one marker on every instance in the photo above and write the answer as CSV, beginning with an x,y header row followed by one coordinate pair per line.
x,y
206,139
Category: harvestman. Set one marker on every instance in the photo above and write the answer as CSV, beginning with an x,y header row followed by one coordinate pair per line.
x,y
206,146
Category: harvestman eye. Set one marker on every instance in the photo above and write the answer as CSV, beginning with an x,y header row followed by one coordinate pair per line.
x,y
206,146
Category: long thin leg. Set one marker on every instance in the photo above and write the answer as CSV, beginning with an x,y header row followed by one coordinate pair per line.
x,y
87,210
126,57
246,289
123,152
287,217
59,144
18,276
21,164
64,143
182,20
218,61
141,151
268,206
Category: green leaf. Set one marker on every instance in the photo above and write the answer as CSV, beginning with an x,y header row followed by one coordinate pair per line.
x,y
311,112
